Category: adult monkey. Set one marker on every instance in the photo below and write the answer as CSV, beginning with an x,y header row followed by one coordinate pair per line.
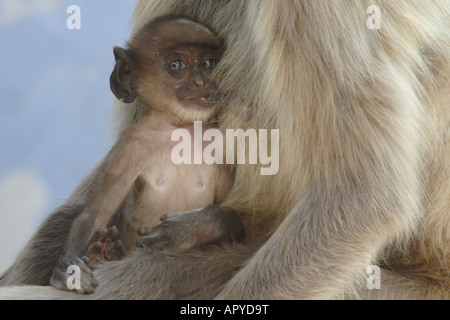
x,y
364,155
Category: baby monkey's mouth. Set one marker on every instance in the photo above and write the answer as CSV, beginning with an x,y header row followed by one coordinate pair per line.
x,y
208,99
202,100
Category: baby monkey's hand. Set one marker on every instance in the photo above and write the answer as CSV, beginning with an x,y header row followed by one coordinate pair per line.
x,y
182,231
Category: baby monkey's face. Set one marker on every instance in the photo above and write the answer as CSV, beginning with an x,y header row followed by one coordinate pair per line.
x,y
178,80
168,68
187,70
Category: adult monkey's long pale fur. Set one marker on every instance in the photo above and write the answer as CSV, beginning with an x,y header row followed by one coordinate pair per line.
x,y
364,174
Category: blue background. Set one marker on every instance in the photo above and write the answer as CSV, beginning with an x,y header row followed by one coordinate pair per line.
x,y
55,105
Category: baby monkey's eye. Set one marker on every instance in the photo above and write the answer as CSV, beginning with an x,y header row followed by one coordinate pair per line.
x,y
177,66
210,63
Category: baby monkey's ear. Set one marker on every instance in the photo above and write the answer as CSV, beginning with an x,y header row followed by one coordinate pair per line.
x,y
121,80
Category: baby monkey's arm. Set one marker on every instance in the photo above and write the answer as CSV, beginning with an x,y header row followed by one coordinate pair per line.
x,y
182,231
122,166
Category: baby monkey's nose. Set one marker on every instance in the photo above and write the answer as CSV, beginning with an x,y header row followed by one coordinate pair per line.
x,y
198,79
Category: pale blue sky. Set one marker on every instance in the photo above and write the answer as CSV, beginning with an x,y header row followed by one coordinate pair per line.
x,y
55,105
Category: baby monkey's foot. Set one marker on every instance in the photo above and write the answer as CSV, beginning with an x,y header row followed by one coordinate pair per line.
x,y
105,245
73,274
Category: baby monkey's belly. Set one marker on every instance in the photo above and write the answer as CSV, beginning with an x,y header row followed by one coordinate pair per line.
x,y
167,188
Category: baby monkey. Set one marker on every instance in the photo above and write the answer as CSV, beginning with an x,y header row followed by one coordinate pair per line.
x,y
167,67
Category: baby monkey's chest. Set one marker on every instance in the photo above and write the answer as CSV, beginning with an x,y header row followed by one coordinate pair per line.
x,y
165,178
